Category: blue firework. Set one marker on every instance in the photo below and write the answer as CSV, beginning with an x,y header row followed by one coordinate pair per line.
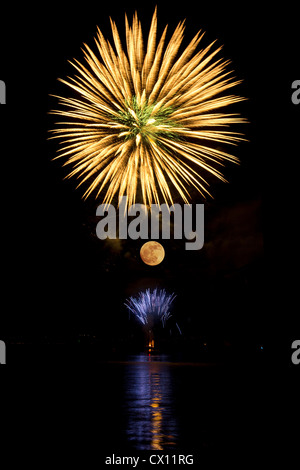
x,y
151,306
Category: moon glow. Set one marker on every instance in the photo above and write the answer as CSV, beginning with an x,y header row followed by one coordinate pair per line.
x,y
152,253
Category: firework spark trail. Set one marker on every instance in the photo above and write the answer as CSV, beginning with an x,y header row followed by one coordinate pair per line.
x,y
149,306
147,118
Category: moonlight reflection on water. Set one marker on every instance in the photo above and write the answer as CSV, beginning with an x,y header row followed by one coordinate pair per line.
x,y
151,415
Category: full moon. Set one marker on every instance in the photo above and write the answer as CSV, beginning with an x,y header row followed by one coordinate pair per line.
x,y
152,253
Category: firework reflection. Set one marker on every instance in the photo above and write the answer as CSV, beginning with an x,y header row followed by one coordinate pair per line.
x,y
149,397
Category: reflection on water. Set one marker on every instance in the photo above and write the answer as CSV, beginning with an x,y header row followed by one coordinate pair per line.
x,y
150,403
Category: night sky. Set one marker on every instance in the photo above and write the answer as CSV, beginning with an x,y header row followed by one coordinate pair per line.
x,y
62,281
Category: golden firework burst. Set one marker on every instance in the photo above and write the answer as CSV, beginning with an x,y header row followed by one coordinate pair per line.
x,y
147,118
